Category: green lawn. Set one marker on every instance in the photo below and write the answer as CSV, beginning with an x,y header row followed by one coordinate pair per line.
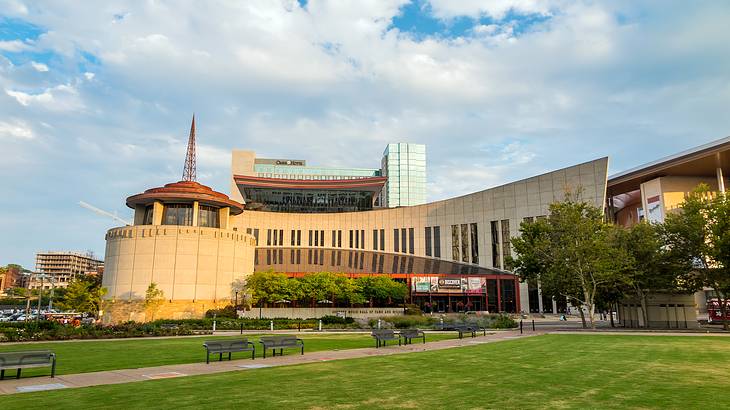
x,y
552,371
91,356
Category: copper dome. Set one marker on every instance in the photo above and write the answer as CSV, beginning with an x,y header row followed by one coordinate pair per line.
x,y
185,191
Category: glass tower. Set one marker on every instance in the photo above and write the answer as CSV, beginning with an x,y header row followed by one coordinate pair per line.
x,y
405,166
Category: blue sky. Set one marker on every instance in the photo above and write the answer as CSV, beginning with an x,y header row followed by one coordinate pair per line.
x,y
95,99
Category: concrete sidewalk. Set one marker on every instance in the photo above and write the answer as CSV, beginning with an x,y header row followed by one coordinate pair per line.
x,y
11,386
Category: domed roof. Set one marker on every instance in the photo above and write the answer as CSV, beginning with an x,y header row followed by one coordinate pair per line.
x,y
185,191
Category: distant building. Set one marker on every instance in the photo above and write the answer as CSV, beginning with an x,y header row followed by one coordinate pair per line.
x,y
10,278
404,166
63,267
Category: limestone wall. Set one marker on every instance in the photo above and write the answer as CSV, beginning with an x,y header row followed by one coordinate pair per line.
x,y
190,264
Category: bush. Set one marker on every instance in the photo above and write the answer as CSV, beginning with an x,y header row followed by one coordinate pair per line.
x,y
226,312
336,320
49,330
409,321
503,322
412,309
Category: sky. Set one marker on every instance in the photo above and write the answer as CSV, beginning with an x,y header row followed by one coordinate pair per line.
x,y
96,97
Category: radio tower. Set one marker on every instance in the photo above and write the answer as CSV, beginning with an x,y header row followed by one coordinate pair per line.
x,y
189,171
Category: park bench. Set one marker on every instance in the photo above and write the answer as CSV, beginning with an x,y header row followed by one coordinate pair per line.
x,y
27,359
227,346
409,334
463,328
281,343
383,335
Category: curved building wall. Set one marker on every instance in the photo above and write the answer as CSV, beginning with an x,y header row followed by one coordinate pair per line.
x,y
193,266
500,209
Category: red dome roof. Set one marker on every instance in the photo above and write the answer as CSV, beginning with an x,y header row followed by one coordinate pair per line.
x,y
185,191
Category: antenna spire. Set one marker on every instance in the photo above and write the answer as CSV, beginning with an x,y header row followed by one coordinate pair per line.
x,y
189,171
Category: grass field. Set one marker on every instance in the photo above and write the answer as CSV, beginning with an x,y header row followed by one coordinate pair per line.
x,y
91,356
552,371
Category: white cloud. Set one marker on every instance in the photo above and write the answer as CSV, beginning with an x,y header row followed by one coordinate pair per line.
x,y
493,8
13,46
17,129
40,67
59,98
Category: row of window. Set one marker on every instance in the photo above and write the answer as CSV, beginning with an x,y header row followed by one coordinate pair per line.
x,y
182,214
464,240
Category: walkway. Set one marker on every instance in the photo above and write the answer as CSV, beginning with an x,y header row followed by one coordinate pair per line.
x,y
10,386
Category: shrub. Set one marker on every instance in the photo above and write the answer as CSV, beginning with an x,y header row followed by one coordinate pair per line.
x,y
503,322
336,320
225,312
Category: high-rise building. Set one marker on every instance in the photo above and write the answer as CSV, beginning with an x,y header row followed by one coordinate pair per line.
x,y
63,267
404,165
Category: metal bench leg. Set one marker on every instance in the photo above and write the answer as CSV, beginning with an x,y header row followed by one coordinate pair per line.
x,y
220,357
281,352
2,374
207,357
253,353
302,350
17,376
53,368
229,356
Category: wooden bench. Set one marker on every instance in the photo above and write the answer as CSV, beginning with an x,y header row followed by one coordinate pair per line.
x,y
281,343
409,334
463,328
27,359
227,346
383,335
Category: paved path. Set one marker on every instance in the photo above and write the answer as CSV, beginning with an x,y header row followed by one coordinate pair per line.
x,y
10,386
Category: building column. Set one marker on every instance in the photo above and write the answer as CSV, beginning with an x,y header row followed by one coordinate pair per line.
x,y
555,306
195,213
539,297
720,180
157,212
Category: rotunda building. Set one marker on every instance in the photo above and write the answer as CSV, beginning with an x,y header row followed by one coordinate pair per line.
x,y
182,241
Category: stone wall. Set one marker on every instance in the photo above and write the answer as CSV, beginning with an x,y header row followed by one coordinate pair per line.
x,y
125,310
308,313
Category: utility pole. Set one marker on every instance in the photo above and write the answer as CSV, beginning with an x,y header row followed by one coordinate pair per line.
x,y
50,300
40,296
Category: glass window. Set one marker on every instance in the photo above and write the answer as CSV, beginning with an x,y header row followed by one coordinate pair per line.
x,y
403,240
178,214
268,237
293,241
494,225
351,239
375,239
455,242
395,240
437,241
474,244
382,240
465,243
148,212
321,238
362,239
506,249
428,240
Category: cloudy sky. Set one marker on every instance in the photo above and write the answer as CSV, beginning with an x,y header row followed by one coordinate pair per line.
x,y
96,97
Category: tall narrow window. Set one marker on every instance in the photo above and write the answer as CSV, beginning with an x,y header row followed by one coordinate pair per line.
x,y
276,237
375,240
321,238
334,239
148,214
411,240
299,237
506,249
403,240
281,237
382,239
465,242
310,238
339,239
293,241
437,241
316,239
208,216
494,226
427,236
474,243
256,235
268,237
357,240
351,239
362,239
455,242
395,240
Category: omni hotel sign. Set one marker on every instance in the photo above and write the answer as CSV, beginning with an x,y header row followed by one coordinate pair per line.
x,y
293,162
434,284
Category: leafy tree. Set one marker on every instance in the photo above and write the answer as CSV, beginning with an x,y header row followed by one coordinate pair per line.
x,y
154,298
318,286
267,287
569,254
648,267
82,296
700,235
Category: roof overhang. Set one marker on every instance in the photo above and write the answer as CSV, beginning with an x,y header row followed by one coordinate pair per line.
x,y
367,184
697,162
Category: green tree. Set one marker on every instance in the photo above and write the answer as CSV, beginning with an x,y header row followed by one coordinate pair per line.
x,y
569,253
268,287
82,295
699,234
154,298
318,286
648,267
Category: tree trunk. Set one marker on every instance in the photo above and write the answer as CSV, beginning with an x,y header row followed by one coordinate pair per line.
x,y
582,318
610,312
